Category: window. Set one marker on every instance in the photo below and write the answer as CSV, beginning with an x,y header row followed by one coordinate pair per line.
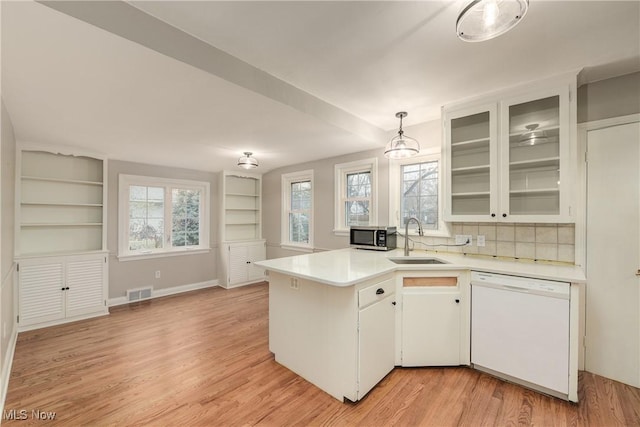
x,y
414,191
297,208
161,216
356,194
419,196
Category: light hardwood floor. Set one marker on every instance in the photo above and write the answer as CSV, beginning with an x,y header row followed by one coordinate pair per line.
x,y
202,358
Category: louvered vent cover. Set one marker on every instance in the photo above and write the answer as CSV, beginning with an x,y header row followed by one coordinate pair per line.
x,y
138,294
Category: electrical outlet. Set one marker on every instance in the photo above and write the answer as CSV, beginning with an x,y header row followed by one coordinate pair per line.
x,y
480,240
294,284
462,239
157,274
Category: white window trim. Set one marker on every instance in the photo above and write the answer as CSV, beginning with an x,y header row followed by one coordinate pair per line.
x,y
341,171
394,195
124,181
287,179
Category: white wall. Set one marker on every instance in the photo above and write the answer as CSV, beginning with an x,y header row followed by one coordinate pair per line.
x,y
7,232
175,270
428,135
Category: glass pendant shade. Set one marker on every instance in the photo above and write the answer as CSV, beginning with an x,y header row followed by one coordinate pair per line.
x,y
533,136
401,146
482,20
247,162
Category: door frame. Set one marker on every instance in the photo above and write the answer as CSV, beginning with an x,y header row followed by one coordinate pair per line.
x,y
581,211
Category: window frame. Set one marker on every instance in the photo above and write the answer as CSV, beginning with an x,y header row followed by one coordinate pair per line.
x,y
395,194
286,181
341,171
125,181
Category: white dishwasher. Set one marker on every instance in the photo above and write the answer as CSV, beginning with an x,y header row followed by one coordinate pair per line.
x,y
520,330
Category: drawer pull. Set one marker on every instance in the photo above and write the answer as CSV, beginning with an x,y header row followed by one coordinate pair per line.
x,y
380,291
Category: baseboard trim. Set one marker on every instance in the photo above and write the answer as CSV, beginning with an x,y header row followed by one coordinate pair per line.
x,y
6,368
157,293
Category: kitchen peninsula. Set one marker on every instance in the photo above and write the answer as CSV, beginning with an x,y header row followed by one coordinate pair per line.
x,y
336,317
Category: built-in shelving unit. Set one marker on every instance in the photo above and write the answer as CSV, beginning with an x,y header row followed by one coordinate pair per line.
x,y
242,214
61,204
60,230
241,228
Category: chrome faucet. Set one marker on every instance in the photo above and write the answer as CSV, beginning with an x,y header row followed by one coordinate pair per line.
x,y
406,233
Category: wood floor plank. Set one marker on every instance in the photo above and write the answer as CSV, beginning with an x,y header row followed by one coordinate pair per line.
x,y
202,359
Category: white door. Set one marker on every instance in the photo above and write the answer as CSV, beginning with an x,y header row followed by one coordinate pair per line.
x,y
613,253
257,252
238,264
376,335
41,294
430,328
85,280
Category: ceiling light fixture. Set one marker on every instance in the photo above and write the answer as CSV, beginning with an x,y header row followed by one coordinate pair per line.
x,y
247,161
401,146
533,136
482,20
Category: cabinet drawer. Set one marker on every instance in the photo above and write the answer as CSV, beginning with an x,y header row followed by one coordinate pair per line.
x,y
375,293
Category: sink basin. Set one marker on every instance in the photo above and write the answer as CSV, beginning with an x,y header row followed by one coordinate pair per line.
x,y
417,261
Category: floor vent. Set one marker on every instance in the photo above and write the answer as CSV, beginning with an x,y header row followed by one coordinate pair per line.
x,y
138,294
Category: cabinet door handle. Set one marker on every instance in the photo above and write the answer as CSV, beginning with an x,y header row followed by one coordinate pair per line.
x,y
504,215
493,215
380,291
393,303
638,272
457,301
248,262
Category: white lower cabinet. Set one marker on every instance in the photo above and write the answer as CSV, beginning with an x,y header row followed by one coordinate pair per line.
x,y
238,260
376,334
434,319
339,338
54,290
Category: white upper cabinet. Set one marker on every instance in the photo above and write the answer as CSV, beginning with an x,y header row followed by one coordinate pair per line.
x,y
510,160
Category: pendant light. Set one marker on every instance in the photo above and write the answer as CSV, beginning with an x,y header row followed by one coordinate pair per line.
x,y
401,146
247,162
533,136
482,20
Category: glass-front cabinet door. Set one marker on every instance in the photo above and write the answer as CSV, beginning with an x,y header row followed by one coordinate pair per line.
x,y
534,152
471,156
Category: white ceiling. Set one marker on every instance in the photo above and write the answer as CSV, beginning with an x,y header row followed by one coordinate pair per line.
x,y
291,81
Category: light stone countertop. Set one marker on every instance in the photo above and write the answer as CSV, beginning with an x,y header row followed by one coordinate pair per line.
x,y
346,267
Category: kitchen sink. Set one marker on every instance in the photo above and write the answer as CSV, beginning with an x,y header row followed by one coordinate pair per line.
x,y
417,261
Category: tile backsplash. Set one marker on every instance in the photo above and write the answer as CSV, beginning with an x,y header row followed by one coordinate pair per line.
x,y
548,242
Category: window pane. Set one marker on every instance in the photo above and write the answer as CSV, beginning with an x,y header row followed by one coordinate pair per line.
x,y
420,194
359,184
357,212
185,211
299,227
146,213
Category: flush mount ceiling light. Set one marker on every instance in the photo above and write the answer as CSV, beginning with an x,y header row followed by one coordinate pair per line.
x,y
533,136
482,20
247,161
401,146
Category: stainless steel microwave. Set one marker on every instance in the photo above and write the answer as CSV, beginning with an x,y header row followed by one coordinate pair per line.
x,y
379,238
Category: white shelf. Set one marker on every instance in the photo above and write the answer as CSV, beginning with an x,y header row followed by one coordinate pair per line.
x,y
98,205
471,194
471,169
242,195
535,163
551,131
61,224
470,144
61,180
535,191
